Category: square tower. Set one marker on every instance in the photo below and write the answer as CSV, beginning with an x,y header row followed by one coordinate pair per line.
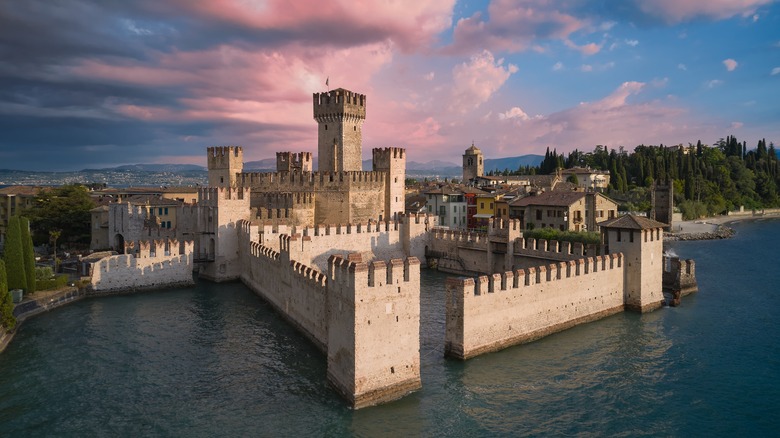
x,y
224,165
473,165
393,162
641,242
340,114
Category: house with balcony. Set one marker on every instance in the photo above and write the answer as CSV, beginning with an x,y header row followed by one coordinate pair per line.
x,y
565,211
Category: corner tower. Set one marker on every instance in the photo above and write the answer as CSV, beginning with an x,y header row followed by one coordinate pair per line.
x,y
641,241
340,114
473,165
224,165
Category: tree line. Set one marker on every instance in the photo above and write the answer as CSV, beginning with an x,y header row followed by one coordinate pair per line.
x,y
707,180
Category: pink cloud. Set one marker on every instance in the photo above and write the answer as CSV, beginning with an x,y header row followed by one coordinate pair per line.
x,y
411,24
475,81
512,27
730,64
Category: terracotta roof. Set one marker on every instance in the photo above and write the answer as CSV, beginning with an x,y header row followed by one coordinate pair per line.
x,y
473,149
20,190
151,200
631,222
553,199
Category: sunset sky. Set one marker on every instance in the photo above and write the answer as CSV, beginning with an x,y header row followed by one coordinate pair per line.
x,y
99,83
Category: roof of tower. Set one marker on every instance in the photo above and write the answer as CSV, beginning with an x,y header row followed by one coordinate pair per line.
x,y
473,149
632,222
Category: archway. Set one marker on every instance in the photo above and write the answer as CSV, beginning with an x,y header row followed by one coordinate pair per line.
x,y
119,244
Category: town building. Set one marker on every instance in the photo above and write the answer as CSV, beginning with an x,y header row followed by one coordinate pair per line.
x,y
565,211
13,200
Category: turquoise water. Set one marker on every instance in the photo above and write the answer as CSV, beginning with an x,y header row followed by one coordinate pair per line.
x,y
216,361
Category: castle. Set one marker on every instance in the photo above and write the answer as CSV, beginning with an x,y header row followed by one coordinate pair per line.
x,y
332,251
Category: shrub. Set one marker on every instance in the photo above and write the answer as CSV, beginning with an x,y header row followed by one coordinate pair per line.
x,y
53,283
43,273
547,233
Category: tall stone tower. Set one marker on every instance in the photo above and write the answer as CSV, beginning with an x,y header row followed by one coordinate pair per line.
x,y
473,165
393,162
641,241
662,203
224,165
340,114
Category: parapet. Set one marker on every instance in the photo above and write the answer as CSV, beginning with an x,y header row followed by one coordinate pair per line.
x,y
221,157
511,280
338,103
383,156
353,274
211,196
294,162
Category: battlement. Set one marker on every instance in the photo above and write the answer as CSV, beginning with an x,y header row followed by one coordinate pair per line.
x,y
387,154
527,246
158,248
210,196
512,280
338,104
353,274
294,162
222,156
459,236
294,181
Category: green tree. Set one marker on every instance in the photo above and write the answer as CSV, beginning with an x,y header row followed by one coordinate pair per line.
x,y
14,256
7,319
29,254
573,179
64,208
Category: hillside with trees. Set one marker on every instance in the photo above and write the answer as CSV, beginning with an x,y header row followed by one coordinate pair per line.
x,y
708,180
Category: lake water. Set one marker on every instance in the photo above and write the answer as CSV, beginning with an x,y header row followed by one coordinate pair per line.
x,y
215,360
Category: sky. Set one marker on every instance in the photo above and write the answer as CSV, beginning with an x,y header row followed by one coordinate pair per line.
x,y
101,83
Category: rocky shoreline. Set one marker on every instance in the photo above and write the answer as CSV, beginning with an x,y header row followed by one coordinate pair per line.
x,y
723,232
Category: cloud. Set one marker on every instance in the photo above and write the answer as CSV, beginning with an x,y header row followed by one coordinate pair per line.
x,y
587,49
475,81
736,125
586,68
557,66
682,67
512,27
513,113
730,64
775,71
714,83
632,43
653,12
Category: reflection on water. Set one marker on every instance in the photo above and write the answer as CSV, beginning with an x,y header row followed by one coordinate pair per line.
x,y
215,360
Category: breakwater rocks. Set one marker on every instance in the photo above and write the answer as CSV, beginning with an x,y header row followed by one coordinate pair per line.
x,y
723,232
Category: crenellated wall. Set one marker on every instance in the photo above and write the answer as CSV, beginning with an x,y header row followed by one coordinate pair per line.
x,y
492,312
347,314
146,265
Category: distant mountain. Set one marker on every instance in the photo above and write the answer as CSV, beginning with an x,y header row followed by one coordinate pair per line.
x,y
150,168
266,165
512,163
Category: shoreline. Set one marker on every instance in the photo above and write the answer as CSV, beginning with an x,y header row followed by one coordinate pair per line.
x,y
715,227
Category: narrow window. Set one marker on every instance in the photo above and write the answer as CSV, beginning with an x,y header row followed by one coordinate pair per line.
x,y
326,127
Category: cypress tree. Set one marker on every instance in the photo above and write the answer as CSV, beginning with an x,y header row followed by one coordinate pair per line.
x,y
29,254
14,256
7,318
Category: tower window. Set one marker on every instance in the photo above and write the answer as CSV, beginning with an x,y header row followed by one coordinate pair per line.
x,y
326,127
354,128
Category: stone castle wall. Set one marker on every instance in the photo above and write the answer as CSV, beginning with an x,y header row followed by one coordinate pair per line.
x,y
492,312
147,265
347,313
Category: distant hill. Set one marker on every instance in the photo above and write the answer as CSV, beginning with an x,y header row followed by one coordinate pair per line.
x,y
512,163
150,168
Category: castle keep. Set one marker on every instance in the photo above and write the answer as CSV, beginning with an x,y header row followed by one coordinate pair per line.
x,y
339,191
332,251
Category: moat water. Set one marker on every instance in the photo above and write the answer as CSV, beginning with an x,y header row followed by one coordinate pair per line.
x,y
215,360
